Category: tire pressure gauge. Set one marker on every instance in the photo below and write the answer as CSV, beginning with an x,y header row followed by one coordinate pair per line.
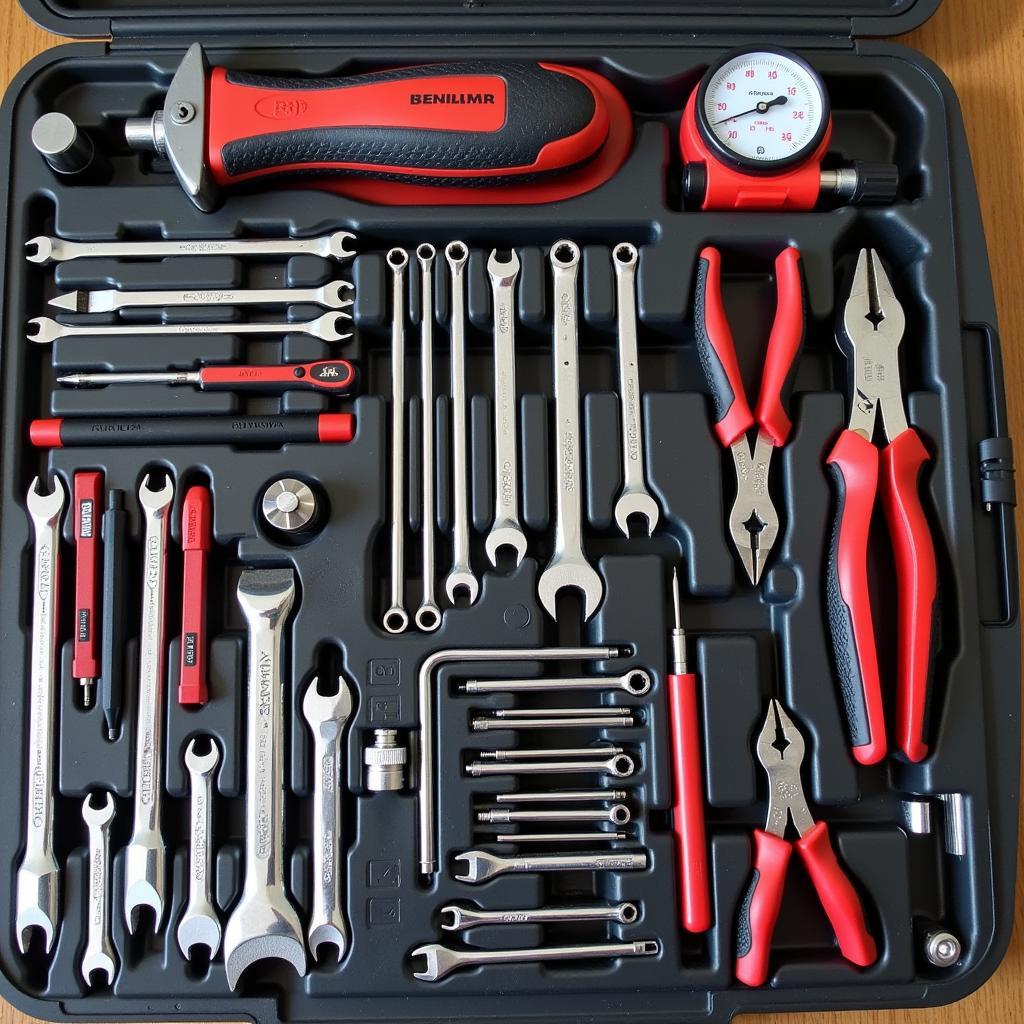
x,y
755,132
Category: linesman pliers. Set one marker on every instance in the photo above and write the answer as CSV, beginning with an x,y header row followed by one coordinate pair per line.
x,y
753,521
872,329
780,749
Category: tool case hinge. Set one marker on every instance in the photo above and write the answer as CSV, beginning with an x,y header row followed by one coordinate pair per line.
x,y
995,468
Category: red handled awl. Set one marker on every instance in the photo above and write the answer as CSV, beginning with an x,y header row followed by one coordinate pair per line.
x,y
196,541
468,132
872,329
88,497
780,749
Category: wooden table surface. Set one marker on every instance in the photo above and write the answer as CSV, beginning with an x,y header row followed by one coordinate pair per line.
x,y
981,47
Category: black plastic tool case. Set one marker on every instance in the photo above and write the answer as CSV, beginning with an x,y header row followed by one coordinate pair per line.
x,y
889,104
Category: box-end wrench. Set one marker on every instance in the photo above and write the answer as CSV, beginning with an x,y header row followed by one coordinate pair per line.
x,y
428,615
38,878
44,249
200,925
635,499
617,814
98,954
396,618
548,753
620,766
505,530
481,865
460,576
457,917
145,854
264,924
636,681
548,796
568,567
326,715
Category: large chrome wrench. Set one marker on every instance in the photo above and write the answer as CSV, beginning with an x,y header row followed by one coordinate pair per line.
x,y
145,854
635,499
98,954
264,924
38,874
568,566
460,576
326,715
505,530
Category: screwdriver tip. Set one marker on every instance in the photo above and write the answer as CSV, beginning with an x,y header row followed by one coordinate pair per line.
x,y
111,734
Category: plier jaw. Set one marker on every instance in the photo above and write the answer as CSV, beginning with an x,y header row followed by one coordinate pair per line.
x,y
780,749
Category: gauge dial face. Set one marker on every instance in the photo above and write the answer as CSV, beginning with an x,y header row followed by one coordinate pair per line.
x,y
762,110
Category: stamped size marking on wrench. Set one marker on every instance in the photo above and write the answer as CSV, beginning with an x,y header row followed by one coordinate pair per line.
x,y
505,530
636,681
481,865
99,952
38,877
457,917
568,568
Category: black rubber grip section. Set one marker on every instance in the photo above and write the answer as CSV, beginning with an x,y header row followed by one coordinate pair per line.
x,y
715,379
743,937
179,430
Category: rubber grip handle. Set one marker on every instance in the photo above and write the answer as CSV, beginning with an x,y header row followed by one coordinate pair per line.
x,y
335,376
917,585
688,804
454,123
759,908
838,897
784,344
717,352
853,465
88,489
196,541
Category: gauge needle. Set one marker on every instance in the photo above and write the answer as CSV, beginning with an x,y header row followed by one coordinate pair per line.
x,y
759,109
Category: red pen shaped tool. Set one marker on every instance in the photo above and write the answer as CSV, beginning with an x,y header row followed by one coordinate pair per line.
x,y
196,541
88,497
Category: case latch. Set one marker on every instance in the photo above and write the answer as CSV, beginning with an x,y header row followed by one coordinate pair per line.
x,y
995,468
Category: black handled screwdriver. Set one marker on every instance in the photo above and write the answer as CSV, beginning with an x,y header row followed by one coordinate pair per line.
x,y
115,532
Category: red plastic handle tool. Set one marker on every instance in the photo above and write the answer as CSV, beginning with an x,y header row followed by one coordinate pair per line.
x,y
917,581
196,541
688,804
853,466
759,908
336,376
88,496
838,897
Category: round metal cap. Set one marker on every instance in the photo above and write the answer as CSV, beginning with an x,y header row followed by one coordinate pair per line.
x,y
289,505
60,143
942,949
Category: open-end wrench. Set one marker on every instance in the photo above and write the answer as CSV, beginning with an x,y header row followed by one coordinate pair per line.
x,y
44,249
44,329
330,296
396,618
635,499
200,925
636,681
326,715
98,954
38,873
145,854
457,917
505,530
620,766
264,924
617,814
428,615
568,567
460,576
481,865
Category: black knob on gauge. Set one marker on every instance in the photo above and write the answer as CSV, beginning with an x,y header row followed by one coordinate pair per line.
x,y
862,183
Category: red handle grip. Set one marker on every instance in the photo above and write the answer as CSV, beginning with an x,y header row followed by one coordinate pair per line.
x,y
853,465
88,488
332,375
838,897
759,908
196,541
688,804
458,123
917,582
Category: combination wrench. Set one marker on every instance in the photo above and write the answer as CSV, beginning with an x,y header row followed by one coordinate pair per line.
x,y
326,715
620,766
636,681
634,499
505,530
457,917
568,567
460,576
617,814
264,924
481,865
38,878
200,925
98,954
145,854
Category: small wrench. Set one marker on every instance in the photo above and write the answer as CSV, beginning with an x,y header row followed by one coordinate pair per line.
x,y
485,723
44,329
145,854
38,873
635,499
546,753
43,249
568,567
428,615
98,954
326,715
620,766
505,530
396,618
547,796
200,925
636,682
481,865
617,814
460,576
599,836
457,917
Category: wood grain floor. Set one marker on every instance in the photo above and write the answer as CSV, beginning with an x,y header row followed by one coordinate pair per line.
x,y
981,47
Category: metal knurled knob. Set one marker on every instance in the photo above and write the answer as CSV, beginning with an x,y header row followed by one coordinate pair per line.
x,y
385,762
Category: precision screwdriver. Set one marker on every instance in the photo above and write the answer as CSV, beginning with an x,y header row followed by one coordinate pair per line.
x,y
115,531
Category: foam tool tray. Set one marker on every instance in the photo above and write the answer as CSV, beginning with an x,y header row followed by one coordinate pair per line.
x,y
747,644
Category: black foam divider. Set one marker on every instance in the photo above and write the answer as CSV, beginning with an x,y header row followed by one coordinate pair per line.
x,y
534,462
603,457
481,462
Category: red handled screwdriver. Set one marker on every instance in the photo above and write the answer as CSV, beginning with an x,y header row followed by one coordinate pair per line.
x,y
85,664
196,541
